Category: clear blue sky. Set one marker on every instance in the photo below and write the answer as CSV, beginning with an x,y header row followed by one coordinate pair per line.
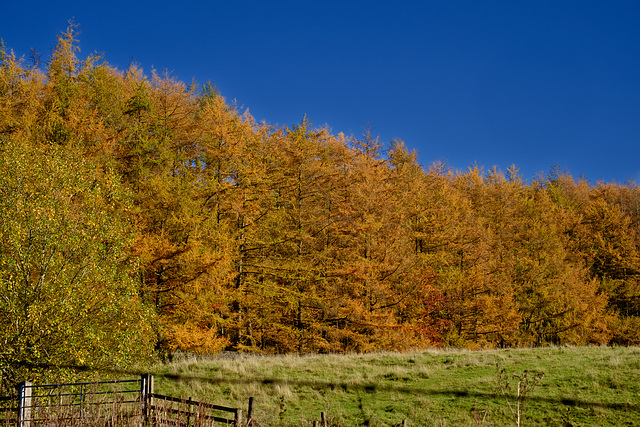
x,y
533,83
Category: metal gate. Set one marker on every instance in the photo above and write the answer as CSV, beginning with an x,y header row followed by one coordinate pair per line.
x,y
119,401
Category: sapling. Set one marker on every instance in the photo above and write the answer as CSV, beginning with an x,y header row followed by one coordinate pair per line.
x,y
526,382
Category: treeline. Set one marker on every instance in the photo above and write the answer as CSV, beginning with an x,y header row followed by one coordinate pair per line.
x,y
138,210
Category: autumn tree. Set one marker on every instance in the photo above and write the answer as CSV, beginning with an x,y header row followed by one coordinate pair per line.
x,y
251,237
68,298
284,246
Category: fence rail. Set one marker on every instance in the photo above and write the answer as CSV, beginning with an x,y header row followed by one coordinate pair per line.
x,y
115,401
169,410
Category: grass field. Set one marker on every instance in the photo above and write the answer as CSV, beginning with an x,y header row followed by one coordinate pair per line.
x,y
594,386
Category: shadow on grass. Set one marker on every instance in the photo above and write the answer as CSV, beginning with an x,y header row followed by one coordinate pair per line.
x,y
373,388
367,388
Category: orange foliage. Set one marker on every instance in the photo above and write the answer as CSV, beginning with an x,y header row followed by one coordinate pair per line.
x,y
292,239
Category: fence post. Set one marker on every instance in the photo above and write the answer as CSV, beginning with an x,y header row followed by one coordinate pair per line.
x,y
146,392
189,412
250,411
24,404
82,393
143,397
237,421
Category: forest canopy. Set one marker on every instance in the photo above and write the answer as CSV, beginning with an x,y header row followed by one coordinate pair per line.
x,y
135,205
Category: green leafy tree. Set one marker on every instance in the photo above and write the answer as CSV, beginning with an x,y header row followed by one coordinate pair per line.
x,y
67,295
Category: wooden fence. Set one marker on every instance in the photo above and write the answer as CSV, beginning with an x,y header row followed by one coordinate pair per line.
x,y
171,411
122,402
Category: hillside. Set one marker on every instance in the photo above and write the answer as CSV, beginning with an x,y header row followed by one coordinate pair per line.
x,y
144,215
594,386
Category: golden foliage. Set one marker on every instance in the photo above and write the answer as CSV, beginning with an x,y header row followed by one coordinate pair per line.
x,y
265,239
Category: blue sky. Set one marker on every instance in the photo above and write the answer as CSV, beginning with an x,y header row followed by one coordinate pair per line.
x,y
532,83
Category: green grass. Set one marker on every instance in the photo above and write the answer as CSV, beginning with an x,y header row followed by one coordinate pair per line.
x,y
595,386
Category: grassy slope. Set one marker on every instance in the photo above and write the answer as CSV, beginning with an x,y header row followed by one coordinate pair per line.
x,y
581,386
